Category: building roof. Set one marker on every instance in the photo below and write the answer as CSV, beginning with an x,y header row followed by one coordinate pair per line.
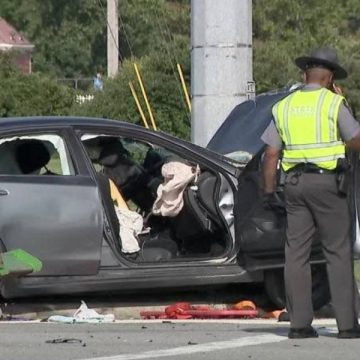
x,y
10,38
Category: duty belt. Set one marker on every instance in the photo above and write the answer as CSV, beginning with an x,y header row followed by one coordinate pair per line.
x,y
310,168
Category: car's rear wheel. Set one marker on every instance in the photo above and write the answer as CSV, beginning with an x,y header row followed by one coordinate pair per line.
x,y
275,287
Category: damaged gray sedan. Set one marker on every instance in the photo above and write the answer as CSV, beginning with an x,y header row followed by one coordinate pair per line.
x,y
67,184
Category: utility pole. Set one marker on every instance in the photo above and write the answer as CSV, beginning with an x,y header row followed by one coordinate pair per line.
x,y
112,38
221,62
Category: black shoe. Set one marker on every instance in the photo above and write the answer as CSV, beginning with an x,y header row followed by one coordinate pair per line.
x,y
353,333
303,333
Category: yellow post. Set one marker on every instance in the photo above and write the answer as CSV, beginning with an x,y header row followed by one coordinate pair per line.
x,y
184,86
133,92
145,97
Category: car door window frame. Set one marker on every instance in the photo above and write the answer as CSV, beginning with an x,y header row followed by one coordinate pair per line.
x,y
72,149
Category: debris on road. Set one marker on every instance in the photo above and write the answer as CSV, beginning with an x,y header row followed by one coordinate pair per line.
x,y
83,315
245,309
183,311
64,341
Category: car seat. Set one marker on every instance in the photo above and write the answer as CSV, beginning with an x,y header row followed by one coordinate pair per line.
x,y
117,197
159,248
199,210
128,175
104,186
31,156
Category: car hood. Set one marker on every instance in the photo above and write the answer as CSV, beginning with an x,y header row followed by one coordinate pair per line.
x,y
241,131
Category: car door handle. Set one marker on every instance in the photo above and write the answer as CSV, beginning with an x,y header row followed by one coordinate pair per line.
x,y
4,192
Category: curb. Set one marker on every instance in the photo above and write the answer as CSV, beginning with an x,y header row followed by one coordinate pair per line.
x,y
21,312
120,313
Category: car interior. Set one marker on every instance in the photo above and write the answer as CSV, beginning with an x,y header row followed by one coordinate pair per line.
x,y
31,155
129,173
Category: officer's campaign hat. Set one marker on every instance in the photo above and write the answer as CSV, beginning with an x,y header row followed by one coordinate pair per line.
x,y
322,57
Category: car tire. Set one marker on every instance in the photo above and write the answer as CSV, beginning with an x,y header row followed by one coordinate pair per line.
x,y
275,287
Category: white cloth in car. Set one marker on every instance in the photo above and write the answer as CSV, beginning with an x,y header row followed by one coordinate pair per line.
x,y
131,224
177,176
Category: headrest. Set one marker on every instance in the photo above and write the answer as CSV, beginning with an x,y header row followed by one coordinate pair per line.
x,y
111,154
31,155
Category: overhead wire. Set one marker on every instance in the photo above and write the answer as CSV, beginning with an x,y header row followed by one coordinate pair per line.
x,y
132,89
171,55
125,34
158,57
99,2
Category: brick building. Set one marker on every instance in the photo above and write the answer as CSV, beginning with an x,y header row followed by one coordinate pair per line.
x,y
12,40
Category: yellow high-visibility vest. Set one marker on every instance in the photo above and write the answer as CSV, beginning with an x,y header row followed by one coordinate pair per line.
x,y
307,122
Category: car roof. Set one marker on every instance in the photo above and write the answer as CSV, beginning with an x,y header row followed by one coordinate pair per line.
x,y
38,122
31,121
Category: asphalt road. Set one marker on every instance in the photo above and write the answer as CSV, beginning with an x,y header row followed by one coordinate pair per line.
x,y
187,340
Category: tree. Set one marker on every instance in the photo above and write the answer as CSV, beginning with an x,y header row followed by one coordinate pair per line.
x,y
165,97
286,29
26,95
70,40
69,35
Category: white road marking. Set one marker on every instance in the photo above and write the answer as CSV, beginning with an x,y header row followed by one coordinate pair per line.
x,y
193,349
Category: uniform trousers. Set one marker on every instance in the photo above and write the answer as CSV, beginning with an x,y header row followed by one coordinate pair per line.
x,y
314,206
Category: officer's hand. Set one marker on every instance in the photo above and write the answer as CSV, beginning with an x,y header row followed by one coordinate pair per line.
x,y
337,89
272,201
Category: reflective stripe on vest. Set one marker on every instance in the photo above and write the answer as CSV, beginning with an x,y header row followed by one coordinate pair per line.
x,y
307,124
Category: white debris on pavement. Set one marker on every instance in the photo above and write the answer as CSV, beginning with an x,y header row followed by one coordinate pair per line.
x,y
83,315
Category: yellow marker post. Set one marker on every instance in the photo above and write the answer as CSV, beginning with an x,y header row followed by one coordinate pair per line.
x,y
133,92
184,86
145,97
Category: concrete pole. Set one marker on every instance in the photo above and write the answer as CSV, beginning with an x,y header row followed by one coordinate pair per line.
x,y
221,59
112,38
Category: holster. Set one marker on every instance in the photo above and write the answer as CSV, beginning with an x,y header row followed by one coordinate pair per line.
x,y
342,181
343,177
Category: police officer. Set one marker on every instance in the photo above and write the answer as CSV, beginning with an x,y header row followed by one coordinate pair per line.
x,y
311,127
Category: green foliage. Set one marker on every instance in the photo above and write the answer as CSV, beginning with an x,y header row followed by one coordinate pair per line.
x,y
286,29
70,40
156,36
26,95
116,101
69,35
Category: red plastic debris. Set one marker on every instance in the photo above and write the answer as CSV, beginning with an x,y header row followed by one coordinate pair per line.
x,y
182,311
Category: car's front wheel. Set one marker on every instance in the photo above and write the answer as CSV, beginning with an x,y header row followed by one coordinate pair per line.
x,y
275,286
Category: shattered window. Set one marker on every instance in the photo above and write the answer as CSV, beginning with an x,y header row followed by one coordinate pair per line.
x,y
43,154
